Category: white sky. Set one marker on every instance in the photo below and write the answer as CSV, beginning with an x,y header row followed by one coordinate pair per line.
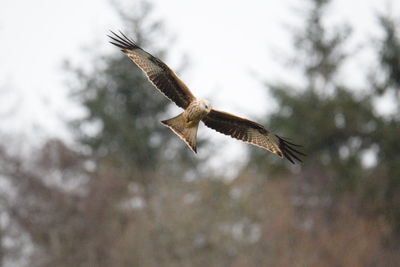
x,y
227,41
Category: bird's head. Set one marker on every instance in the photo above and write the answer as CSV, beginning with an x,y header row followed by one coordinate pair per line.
x,y
205,105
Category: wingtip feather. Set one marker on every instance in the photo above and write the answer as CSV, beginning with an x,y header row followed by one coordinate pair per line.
x,y
123,41
289,152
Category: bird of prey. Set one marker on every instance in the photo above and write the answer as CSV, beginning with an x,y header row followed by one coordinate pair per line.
x,y
185,125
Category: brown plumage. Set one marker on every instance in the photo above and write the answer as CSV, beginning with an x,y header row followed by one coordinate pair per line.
x,y
252,133
185,125
159,74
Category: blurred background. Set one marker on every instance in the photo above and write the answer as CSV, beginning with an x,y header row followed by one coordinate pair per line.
x,y
89,176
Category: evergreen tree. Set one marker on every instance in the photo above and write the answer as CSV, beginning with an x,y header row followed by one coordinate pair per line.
x,y
324,114
388,51
337,124
382,189
330,119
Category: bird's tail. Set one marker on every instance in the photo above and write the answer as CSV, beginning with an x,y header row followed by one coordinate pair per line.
x,y
186,131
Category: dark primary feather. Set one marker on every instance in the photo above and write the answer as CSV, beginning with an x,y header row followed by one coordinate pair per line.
x,y
289,151
251,132
123,43
159,74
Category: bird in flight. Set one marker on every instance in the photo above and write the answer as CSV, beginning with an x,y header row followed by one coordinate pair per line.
x,y
185,125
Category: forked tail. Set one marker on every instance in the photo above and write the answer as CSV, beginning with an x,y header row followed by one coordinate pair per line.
x,y
187,132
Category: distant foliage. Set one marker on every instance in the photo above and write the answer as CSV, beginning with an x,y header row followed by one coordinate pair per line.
x,y
126,195
382,190
338,124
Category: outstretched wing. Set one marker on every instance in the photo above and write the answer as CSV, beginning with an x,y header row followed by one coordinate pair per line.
x,y
251,132
163,78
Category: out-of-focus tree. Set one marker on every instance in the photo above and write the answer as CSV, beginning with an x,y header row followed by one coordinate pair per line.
x,y
100,220
123,109
388,51
337,124
332,121
79,209
382,189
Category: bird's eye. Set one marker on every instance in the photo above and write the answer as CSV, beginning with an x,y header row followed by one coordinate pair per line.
x,y
206,106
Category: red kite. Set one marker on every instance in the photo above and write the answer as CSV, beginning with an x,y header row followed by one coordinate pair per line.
x,y
185,125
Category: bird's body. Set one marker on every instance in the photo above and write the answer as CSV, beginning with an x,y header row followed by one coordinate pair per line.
x,y
185,125
196,111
